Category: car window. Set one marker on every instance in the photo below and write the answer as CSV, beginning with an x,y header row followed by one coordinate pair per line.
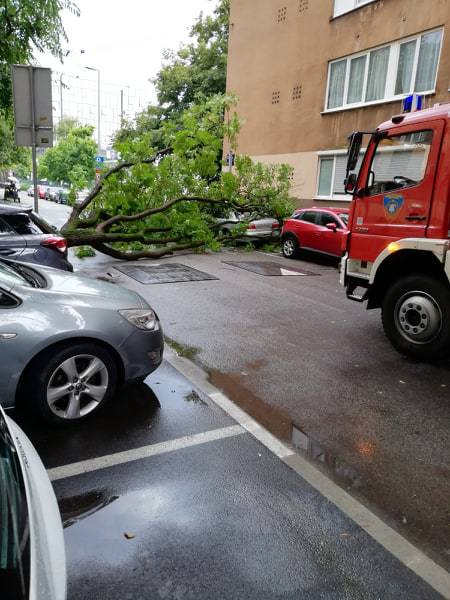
x,y
309,216
9,276
344,217
326,218
22,224
7,301
14,530
5,229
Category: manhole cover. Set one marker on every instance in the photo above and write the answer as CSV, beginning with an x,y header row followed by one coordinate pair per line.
x,y
270,269
168,273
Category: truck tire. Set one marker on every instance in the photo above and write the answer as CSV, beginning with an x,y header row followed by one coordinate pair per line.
x,y
416,317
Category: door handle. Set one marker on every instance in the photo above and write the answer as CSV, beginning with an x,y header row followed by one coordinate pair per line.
x,y
416,218
6,251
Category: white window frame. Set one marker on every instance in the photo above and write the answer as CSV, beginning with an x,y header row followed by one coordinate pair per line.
x,y
391,76
331,154
355,4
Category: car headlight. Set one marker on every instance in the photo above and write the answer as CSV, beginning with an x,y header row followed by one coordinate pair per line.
x,y
142,318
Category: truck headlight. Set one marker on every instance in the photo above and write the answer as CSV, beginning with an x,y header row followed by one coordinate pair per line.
x,y
142,318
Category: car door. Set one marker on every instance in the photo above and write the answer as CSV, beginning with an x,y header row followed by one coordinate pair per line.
x,y
304,226
396,189
12,245
328,240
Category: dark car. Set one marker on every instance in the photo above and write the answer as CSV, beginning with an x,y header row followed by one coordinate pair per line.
x,y
25,237
315,229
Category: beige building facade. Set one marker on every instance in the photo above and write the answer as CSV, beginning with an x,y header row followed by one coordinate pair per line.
x,y
309,72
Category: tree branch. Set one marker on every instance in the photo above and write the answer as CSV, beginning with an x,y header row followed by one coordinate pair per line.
x,y
167,250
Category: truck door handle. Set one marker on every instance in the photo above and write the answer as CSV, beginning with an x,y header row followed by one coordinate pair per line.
x,y
416,218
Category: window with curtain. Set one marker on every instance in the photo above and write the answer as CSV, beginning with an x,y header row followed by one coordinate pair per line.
x,y
387,73
326,166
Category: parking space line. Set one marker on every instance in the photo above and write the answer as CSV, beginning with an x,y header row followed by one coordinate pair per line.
x,y
413,558
118,458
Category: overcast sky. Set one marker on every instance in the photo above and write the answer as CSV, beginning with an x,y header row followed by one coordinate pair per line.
x,y
125,40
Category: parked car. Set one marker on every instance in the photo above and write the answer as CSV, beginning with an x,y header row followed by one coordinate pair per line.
x,y
51,193
32,555
67,342
62,196
26,237
317,229
256,228
30,191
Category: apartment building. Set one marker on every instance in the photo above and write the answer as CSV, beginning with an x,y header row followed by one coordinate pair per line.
x,y
308,72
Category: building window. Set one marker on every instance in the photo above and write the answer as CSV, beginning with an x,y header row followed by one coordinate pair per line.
x,y
386,73
331,175
343,6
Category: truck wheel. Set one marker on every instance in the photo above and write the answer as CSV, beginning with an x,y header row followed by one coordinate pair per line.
x,y
416,317
289,246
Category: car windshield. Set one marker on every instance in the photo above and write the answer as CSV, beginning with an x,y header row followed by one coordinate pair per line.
x,y
23,224
11,275
344,217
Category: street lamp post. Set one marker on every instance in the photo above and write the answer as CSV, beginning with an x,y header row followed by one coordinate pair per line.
x,y
99,144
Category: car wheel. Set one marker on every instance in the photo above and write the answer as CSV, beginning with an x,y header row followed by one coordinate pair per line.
x,y
290,247
416,317
74,383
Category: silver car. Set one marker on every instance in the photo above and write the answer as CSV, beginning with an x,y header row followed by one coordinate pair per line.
x,y
32,556
255,228
67,342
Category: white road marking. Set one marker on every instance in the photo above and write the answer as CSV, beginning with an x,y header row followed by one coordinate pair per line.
x,y
119,458
413,558
287,272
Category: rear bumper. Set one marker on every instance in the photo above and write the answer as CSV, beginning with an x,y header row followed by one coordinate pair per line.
x,y
263,233
142,353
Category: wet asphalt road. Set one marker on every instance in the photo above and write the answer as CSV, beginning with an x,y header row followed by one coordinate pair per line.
x,y
317,369
221,519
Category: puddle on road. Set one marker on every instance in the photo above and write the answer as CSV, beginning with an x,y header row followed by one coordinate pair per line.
x,y
76,508
408,511
278,422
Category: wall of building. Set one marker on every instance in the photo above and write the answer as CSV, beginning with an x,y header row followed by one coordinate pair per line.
x,y
278,66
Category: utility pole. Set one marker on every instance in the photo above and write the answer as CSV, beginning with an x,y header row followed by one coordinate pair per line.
x,y
121,107
61,112
99,142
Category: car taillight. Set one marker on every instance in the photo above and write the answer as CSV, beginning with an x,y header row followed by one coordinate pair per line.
x,y
55,242
275,226
251,226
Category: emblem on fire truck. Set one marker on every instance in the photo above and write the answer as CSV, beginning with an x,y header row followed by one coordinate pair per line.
x,y
392,205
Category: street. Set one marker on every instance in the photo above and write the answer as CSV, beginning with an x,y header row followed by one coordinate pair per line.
x,y
312,368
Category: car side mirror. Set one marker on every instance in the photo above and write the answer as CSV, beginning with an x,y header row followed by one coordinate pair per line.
x,y
331,226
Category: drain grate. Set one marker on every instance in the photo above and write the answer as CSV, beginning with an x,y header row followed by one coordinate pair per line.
x,y
168,273
271,269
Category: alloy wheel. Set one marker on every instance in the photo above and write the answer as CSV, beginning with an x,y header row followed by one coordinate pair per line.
x,y
77,386
288,247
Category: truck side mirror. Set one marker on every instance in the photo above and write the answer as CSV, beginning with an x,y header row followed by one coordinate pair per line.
x,y
350,183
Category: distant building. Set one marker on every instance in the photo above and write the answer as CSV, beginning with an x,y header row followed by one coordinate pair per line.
x,y
308,72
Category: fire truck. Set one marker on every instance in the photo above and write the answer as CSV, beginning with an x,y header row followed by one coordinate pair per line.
x,y
396,255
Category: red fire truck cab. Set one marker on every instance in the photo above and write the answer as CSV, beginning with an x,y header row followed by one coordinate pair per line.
x,y
397,253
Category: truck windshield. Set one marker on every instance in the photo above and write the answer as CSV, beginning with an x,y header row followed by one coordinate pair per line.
x,y
399,161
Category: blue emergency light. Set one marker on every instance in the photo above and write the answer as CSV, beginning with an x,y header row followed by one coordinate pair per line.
x,y
412,103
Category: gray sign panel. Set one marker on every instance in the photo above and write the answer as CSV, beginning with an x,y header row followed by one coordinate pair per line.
x,y
32,86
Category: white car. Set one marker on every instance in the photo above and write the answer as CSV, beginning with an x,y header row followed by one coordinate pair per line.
x,y
32,555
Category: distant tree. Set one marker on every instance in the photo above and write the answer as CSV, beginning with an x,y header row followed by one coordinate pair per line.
x,y
198,69
72,160
65,126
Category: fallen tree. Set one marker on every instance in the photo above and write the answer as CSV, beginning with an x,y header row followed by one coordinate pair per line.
x,y
146,207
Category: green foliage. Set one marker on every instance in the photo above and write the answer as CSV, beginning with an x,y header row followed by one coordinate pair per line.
x,y
84,252
12,157
174,203
72,160
26,25
65,126
197,70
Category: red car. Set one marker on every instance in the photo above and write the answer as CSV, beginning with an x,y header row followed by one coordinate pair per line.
x,y
317,229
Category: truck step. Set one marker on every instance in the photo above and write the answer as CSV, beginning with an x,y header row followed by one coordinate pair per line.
x,y
358,298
